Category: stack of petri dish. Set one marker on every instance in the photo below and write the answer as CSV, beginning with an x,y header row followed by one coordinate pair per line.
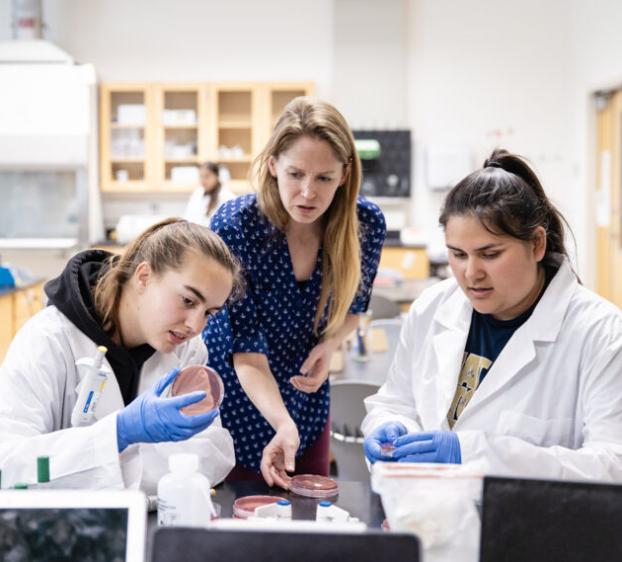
x,y
199,377
245,507
313,486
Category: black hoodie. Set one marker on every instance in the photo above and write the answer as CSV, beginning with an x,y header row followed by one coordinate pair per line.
x,y
72,293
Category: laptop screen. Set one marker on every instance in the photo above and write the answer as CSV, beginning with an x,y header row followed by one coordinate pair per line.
x,y
550,521
59,526
38,535
241,545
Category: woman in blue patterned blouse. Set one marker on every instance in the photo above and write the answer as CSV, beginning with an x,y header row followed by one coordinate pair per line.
x,y
310,248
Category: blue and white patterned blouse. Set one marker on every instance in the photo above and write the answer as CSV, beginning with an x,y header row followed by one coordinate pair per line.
x,y
275,318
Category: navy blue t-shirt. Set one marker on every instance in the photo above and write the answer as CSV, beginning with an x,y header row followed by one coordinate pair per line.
x,y
487,338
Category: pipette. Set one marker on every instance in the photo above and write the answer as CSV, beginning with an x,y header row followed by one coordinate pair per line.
x,y
94,378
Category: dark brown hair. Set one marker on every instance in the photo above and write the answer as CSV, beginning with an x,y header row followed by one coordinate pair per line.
x,y
213,195
507,198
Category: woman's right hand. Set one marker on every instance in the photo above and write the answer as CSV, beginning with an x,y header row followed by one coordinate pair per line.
x,y
279,455
149,418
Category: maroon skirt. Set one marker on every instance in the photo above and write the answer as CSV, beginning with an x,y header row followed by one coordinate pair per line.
x,y
315,460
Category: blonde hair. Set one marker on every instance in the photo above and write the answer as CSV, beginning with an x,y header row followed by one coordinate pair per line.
x,y
341,262
163,246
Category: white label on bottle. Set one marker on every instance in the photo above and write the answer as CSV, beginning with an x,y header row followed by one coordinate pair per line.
x,y
167,513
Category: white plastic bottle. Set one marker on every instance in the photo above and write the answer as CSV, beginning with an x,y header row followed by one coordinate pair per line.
x,y
184,497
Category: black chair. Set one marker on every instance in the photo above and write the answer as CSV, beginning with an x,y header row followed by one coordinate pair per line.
x,y
347,411
220,545
382,307
550,521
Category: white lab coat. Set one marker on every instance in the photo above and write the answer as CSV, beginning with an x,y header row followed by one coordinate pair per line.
x,y
551,404
196,208
38,391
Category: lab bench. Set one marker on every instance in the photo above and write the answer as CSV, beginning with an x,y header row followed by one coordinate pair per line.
x,y
355,497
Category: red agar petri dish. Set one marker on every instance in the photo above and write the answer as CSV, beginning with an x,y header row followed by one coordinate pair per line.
x,y
387,449
199,377
245,507
313,486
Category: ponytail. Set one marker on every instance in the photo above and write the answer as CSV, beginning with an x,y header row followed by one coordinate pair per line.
x,y
163,246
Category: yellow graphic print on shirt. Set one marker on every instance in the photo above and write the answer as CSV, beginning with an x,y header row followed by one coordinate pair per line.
x,y
470,375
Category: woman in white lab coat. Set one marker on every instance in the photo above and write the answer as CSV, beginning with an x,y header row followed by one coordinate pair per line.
x,y
206,198
147,307
512,362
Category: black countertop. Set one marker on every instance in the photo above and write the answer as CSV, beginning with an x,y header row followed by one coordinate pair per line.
x,y
355,497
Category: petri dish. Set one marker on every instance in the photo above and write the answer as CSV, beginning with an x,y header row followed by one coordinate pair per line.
x,y
313,486
387,449
244,507
199,377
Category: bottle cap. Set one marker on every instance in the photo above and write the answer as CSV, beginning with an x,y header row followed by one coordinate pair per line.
x,y
283,502
183,462
43,469
20,486
325,503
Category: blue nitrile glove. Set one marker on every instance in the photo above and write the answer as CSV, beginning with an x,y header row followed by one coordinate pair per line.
x,y
428,446
152,419
386,433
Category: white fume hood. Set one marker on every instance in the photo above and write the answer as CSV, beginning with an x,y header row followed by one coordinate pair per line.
x,y
48,147
47,113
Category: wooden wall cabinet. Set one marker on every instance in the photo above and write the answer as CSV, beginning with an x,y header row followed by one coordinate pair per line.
x,y
126,137
413,263
6,323
154,135
16,307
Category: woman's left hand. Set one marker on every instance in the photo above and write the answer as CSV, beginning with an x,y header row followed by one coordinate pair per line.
x,y
315,368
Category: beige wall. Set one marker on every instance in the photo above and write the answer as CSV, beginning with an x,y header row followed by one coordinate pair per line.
x,y
518,75
476,72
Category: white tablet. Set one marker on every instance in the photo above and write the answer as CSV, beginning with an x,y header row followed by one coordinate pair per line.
x,y
42,525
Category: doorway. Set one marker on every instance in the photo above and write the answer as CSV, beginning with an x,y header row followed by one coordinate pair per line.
x,y
608,187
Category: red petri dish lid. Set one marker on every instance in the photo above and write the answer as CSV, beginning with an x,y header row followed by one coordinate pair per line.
x,y
245,507
313,486
313,482
199,377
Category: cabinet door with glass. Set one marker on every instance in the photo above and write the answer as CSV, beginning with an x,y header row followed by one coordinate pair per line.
x,y
245,114
280,94
234,135
127,137
181,140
